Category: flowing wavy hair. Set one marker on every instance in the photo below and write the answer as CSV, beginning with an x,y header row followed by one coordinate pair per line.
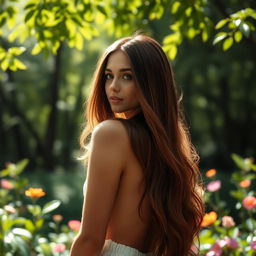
x,y
160,141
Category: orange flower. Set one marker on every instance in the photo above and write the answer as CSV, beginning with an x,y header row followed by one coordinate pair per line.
x,y
57,217
210,173
245,183
34,192
209,218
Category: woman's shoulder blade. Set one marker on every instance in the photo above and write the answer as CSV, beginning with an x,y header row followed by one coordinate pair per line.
x,y
109,130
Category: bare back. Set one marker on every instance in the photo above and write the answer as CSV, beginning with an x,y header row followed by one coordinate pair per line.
x,y
115,185
126,226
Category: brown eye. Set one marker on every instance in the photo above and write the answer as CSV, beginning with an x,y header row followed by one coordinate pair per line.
x,y
127,77
108,76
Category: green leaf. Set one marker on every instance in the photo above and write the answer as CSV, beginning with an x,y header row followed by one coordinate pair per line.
x,y
21,183
19,65
205,35
50,206
29,225
253,15
227,43
253,167
237,177
46,248
245,29
249,224
35,210
2,53
36,49
238,36
238,194
188,11
191,33
13,35
237,22
221,23
102,10
4,173
22,232
171,50
171,39
3,21
29,15
29,6
243,164
232,25
7,224
39,223
71,27
5,64
235,232
20,166
219,37
79,42
19,244
175,7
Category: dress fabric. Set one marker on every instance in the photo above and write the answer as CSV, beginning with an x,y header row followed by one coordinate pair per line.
x,y
112,248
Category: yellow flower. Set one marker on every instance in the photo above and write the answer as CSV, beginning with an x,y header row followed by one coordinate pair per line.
x,y
34,192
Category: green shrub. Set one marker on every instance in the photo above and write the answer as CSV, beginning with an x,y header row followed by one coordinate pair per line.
x,y
221,233
26,226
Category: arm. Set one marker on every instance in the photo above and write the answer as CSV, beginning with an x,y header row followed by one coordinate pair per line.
x,y
106,162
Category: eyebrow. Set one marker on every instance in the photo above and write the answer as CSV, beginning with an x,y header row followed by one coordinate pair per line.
x,y
121,69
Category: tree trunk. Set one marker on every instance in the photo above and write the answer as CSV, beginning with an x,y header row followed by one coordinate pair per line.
x,y
50,135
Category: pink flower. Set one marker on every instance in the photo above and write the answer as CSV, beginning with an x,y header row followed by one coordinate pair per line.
x,y
59,248
9,208
74,224
249,202
231,243
213,253
6,184
227,222
216,249
253,245
214,185
219,244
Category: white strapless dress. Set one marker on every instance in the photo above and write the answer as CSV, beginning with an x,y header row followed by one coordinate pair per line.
x,y
112,248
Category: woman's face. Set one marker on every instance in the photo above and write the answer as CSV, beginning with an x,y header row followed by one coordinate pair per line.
x,y
120,85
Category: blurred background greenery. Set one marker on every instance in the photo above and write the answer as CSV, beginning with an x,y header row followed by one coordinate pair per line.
x,y
48,53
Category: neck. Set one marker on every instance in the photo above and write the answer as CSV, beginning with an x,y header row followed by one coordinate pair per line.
x,y
131,113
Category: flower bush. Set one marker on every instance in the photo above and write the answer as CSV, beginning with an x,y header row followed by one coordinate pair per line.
x,y
221,233
27,227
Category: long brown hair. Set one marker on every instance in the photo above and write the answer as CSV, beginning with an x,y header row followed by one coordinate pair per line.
x,y
161,142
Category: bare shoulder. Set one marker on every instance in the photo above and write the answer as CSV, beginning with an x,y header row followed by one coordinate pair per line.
x,y
110,131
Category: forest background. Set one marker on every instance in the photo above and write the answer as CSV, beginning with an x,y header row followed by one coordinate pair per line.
x,y
48,53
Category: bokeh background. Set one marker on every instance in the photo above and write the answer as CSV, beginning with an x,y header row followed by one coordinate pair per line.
x,y
48,53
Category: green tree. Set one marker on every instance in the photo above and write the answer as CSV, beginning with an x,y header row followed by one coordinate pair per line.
x,y
53,27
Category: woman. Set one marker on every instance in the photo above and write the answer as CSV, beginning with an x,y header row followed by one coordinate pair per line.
x,y
141,193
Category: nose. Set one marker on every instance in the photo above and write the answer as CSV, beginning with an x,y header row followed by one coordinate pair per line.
x,y
114,86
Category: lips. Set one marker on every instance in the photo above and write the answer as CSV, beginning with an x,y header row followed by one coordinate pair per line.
x,y
115,100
